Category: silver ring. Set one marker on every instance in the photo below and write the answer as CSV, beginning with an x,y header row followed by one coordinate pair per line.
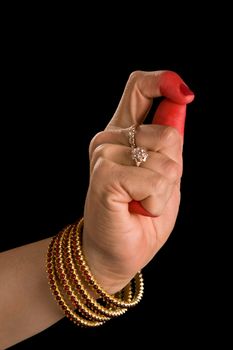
x,y
138,154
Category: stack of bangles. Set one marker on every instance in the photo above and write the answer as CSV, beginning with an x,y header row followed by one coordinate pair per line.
x,y
74,287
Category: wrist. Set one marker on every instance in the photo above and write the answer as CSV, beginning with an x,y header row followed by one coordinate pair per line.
x,y
111,281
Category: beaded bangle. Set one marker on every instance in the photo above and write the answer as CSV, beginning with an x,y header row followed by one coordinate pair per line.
x,y
74,294
76,281
71,280
90,279
94,305
69,313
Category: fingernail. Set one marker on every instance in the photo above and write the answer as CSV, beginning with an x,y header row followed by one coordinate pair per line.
x,y
185,90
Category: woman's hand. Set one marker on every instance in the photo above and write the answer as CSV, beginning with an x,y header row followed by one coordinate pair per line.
x,y
118,243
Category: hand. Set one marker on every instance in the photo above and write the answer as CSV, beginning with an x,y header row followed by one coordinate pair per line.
x,y
118,243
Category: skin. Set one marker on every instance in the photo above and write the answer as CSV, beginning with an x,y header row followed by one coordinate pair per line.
x,y
117,242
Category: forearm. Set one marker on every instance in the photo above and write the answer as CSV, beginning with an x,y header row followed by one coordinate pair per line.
x,y
26,304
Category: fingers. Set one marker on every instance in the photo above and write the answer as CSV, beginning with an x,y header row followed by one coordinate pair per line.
x,y
171,114
155,138
142,88
156,162
160,139
122,183
163,172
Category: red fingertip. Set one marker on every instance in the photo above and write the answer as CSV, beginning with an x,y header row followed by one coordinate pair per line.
x,y
185,90
136,208
174,88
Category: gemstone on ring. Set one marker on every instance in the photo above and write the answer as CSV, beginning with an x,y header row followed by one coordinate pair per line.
x,y
139,155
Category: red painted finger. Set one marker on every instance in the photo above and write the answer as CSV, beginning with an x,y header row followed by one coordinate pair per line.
x,y
172,114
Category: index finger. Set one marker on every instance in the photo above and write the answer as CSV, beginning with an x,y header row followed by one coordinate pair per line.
x,y
141,89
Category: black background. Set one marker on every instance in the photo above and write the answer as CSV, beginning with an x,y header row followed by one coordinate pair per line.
x,y
59,91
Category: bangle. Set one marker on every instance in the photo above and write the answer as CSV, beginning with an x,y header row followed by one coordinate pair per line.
x,y
59,295
74,286
89,278
75,294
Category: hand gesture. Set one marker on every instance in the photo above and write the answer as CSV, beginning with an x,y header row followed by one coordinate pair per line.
x,y
131,210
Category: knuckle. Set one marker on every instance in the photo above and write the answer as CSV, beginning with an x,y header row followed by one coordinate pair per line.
x,y
96,140
157,209
102,168
134,76
105,179
156,206
160,184
100,151
172,170
169,136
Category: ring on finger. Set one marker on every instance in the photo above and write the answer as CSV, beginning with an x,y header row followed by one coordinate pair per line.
x,y
138,154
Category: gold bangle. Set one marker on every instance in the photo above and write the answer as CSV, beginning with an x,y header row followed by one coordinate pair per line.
x,y
69,313
91,302
74,295
69,276
90,279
